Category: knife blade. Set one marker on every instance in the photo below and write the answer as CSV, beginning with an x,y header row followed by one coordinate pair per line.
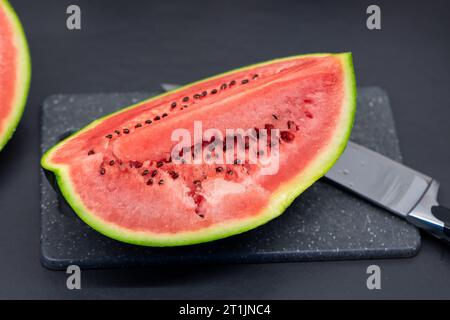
x,y
388,184
379,179
393,186
169,86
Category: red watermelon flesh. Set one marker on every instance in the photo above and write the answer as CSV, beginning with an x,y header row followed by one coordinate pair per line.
x,y
119,177
14,71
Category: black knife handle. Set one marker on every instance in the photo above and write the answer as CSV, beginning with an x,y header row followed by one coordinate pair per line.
x,y
429,215
443,214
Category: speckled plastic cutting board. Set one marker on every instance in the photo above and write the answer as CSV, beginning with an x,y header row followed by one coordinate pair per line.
x,y
324,223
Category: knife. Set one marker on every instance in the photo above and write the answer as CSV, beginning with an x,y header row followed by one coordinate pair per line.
x,y
391,185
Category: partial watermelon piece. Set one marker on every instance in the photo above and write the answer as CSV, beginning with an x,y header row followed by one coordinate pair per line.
x,y
15,72
119,177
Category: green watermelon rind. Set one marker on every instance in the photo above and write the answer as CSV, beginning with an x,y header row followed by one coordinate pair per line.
x,y
23,84
280,200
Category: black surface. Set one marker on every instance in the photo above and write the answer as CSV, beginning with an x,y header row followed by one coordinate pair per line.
x,y
131,47
324,223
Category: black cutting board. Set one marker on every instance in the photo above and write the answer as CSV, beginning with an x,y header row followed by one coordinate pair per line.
x,y
324,223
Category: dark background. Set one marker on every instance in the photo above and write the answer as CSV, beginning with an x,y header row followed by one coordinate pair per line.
x,y
135,45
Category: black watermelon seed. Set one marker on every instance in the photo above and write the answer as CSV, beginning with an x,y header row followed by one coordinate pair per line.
x,y
244,81
111,163
91,152
287,136
230,172
197,182
308,114
185,99
154,173
255,76
185,106
117,132
109,136
173,105
157,118
150,182
219,169
173,174
275,116
233,82
159,164
145,173
257,132
223,86
196,96
290,124
161,182
126,131
164,115
102,171
138,125
138,164
148,121
204,93
213,91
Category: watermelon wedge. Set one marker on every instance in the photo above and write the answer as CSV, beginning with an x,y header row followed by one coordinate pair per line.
x,y
134,176
14,72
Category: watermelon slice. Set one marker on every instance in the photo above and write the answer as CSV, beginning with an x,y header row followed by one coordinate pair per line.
x,y
14,72
122,176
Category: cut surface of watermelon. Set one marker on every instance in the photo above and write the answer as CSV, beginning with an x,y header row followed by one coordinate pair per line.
x,y
14,71
120,177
